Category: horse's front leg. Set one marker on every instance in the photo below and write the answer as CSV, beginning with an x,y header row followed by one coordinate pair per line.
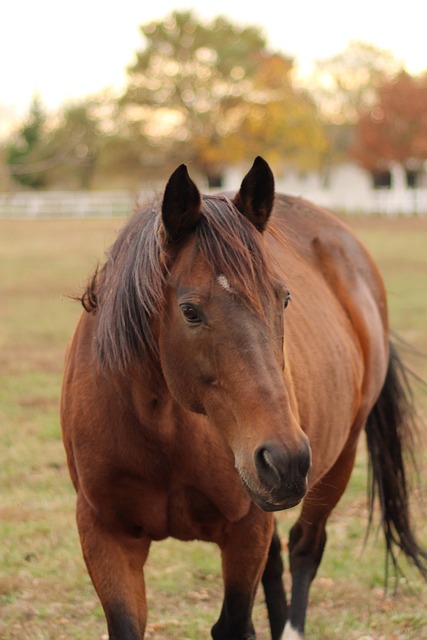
x,y
244,554
115,563
274,590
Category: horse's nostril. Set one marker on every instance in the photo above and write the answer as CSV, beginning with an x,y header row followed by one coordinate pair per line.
x,y
270,464
267,463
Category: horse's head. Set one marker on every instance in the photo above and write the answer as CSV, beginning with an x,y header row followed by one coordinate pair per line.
x,y
222,328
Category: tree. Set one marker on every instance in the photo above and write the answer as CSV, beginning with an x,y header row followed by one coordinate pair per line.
x,y
282,122
4,171
72,148
57,151
274,120
394,129
347,83
342,87
126,156
22,152
211,94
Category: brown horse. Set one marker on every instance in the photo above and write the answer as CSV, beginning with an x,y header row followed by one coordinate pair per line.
x,y
196,402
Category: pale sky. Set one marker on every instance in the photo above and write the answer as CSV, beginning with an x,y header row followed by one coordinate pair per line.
x,y
67,50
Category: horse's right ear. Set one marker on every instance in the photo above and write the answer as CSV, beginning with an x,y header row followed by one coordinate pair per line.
x,y
181,205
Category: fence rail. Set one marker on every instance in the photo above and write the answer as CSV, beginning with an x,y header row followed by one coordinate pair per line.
x,y
387,202
67,204
112,204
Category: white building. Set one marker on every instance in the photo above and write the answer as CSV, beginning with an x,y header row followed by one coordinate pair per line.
x,y
348,189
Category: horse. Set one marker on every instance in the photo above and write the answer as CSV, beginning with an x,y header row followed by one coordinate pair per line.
x,y
232,349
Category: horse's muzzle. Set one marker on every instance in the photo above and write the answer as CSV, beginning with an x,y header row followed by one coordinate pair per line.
x,y
282,475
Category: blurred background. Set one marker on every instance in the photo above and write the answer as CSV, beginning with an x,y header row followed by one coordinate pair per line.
x,y
100,98
99,102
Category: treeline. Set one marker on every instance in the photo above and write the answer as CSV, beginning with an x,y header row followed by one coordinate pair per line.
x,y
213,94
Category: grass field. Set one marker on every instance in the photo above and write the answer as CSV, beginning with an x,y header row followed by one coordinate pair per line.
x,y
45,593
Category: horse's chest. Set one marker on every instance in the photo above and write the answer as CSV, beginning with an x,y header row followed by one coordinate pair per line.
x,y
182,512
179,486
192,515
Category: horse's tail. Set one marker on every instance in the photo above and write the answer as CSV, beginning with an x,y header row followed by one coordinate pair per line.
x,y
390,431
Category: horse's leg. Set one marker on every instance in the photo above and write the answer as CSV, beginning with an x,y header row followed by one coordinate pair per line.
x,y
115,564
275,596
244,554
307,539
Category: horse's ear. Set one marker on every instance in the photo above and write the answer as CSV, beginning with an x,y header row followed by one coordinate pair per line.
x,y
256,196
181,205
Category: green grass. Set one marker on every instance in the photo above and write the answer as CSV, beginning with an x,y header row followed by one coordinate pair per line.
x,y
45,593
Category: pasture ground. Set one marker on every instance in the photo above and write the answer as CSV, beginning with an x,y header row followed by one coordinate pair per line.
x,y
45,593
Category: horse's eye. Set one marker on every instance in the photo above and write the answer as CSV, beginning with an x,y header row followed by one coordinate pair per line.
x,y
191,314
287,298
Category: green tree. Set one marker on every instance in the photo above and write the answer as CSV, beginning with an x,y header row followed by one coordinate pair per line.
x,y
73,146
57,152
22,154
4,171
197,92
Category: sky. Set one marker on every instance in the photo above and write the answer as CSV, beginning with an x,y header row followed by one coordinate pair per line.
x,y
65,51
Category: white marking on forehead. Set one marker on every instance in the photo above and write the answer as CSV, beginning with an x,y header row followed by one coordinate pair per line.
x,y
290,633
223,282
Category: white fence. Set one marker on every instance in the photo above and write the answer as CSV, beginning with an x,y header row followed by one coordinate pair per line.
x,y
66,204
111,204
388,202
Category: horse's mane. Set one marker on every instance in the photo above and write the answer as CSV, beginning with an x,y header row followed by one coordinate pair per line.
x,y
128,292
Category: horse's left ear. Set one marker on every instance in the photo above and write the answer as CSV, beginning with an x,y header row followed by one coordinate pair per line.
x,y
181,205
256,196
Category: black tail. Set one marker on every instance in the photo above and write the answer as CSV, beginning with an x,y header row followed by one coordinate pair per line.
x,y
390,432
